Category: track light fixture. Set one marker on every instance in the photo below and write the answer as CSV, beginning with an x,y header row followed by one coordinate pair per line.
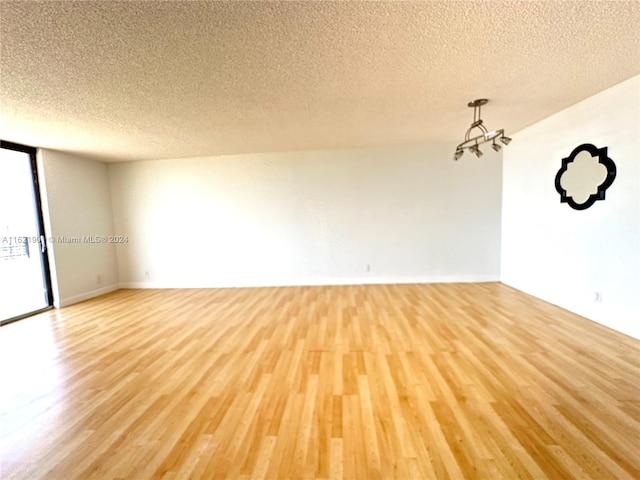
x,y
472,143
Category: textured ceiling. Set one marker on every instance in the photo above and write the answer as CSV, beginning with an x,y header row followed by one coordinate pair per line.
x,y
165,79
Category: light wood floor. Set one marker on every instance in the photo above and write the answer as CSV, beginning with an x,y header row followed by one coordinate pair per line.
x,y
360,382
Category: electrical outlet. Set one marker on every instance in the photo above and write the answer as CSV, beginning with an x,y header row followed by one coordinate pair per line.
x,y
98,279
597,296
368,267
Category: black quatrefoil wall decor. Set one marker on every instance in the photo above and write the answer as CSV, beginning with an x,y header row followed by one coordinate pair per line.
x,y
584,176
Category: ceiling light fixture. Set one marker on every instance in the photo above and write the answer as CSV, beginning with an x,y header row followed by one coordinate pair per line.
x,y
472,143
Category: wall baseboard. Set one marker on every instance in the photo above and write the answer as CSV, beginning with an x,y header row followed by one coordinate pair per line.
x,y
65,302
624,322
305,282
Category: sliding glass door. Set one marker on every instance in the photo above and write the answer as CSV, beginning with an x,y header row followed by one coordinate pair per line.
x,y
25,285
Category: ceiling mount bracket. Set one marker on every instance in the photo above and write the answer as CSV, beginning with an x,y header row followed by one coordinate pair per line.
x,y
478,103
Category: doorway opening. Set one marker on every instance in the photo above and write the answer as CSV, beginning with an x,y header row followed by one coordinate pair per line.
x,y
25,279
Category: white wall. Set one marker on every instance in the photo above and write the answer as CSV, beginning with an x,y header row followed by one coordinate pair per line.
x,y
563,255
316,217
77,203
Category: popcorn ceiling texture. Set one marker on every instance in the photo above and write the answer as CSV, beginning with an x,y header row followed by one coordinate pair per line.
x,y
167,79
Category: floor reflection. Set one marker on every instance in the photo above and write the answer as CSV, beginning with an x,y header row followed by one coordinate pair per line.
x,y
31,374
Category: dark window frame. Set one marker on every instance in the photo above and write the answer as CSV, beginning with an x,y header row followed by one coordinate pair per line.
x,y
46,268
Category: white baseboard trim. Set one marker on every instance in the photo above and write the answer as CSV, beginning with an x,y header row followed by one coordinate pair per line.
x,y
65,302
304,282
612,317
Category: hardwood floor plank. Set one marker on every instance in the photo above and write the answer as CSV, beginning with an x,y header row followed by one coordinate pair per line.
x,y
442,381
